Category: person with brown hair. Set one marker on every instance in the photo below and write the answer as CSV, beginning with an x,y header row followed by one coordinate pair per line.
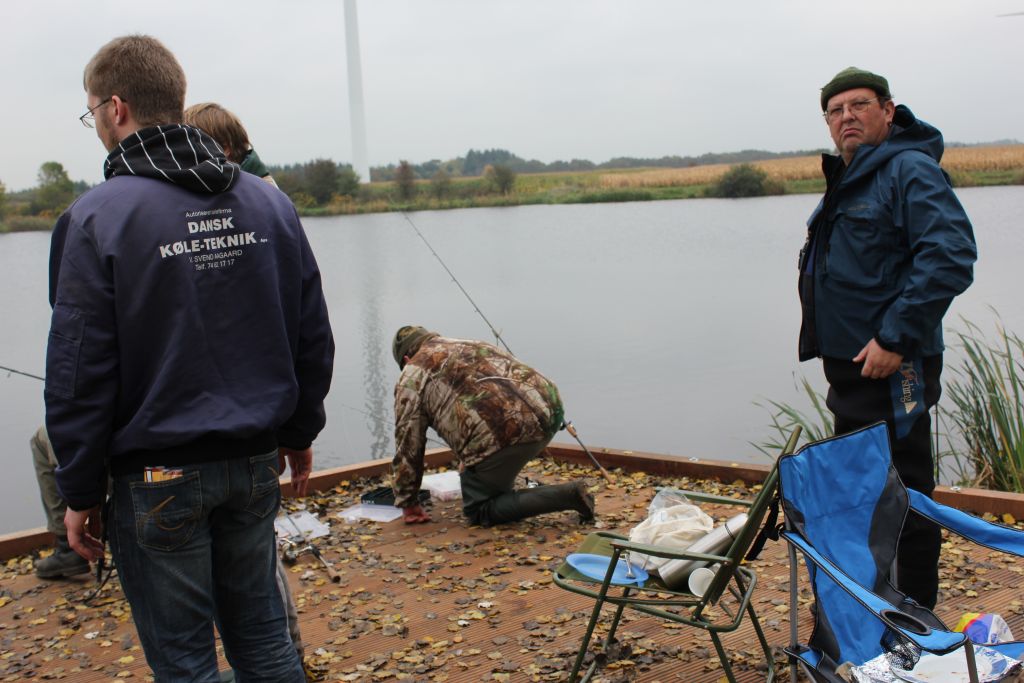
x,y
63,561
224,127
189,355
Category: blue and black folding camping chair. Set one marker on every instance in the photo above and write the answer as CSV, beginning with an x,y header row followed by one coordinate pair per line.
x,y
845,506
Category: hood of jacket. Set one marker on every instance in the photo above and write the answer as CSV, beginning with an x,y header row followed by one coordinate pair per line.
x,y
253,164
907,133
177,154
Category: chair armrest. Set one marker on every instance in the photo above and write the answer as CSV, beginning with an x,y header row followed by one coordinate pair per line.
x,y
663,551
701,497
933,640
995,536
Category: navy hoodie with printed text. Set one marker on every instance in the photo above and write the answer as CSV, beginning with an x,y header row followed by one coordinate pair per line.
x,y
189,323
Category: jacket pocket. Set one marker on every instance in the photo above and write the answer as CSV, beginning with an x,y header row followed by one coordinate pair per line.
x,y
266,490
63,350
862,248
167,512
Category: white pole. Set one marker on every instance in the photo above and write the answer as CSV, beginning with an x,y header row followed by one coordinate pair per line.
x,y
360,157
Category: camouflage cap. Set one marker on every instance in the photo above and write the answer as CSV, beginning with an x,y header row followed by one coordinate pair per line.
x,y
851,77
408,340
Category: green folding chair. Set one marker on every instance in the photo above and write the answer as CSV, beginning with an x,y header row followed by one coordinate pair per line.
x,y
652,597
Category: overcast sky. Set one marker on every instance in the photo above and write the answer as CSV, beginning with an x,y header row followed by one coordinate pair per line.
x,y
546,79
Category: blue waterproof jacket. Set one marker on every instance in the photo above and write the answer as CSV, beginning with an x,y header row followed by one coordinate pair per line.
x,y
189,323
888,248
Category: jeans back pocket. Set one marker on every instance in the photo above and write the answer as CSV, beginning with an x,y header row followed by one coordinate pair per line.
x,y
167,512
265,494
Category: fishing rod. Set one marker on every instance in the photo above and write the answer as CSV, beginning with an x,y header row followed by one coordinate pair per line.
x,y
566,424
292,555
101,580
19,372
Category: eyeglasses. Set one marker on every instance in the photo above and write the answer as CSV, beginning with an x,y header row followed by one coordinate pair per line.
x,y
856,107
88,118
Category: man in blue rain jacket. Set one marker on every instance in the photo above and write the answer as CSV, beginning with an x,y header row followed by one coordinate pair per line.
x,y
887,249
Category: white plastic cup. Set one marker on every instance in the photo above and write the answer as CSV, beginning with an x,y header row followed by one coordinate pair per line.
x,y
700,578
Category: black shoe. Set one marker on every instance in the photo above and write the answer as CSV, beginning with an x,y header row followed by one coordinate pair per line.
x,y
63,562
586,503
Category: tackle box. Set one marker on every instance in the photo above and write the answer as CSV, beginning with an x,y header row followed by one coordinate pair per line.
x,y
384,495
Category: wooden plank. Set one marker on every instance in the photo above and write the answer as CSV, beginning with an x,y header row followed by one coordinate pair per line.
x,y
464,604
973,500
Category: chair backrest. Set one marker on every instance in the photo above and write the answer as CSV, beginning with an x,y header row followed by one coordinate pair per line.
x,y
845,498
755,517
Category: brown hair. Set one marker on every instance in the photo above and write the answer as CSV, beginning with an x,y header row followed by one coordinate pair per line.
x,y
143,73
221,125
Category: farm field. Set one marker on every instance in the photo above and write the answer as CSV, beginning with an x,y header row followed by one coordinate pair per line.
x,y
967,166
963,163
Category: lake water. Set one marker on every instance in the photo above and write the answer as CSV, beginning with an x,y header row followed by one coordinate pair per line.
x,y
662,323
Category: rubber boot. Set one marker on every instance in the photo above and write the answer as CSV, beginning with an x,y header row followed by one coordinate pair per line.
x,y
523,503
63,562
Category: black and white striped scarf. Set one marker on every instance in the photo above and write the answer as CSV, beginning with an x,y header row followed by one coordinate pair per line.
x,y
176,153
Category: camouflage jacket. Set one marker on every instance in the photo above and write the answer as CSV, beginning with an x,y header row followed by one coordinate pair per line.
x,y
478,398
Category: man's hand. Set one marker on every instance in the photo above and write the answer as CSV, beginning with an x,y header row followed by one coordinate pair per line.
x,y
878,363
415,514
301,465
85,529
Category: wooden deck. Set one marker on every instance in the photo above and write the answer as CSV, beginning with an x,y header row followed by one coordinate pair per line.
x,y
447,602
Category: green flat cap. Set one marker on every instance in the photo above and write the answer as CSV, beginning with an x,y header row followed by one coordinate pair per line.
x,y
408,340
851,77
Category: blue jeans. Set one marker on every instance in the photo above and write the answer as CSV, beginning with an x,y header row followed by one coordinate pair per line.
x,y
201,548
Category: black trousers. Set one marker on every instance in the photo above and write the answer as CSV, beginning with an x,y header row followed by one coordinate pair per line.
x,y
857,402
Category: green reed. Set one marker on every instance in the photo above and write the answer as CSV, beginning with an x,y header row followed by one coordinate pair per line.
x,y
985,391
979,427
785,418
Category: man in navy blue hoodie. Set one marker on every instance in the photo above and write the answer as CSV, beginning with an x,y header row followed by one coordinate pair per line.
x,y
887,250
189,355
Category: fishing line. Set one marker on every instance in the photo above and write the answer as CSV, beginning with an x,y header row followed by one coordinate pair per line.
x,y
343,405
497,335
566,424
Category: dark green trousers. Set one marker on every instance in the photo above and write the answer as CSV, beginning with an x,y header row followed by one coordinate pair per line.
x,y
489,496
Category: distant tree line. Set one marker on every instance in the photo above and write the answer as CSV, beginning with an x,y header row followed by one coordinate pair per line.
x,y
482,173
322,181
316,182
475,162
36,208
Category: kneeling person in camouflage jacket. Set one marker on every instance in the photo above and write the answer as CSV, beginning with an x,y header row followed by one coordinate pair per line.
x,y
495,413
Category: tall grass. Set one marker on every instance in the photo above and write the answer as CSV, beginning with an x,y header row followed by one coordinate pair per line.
x,y
985,158
781,170
981,421
815,427
26,223
985,391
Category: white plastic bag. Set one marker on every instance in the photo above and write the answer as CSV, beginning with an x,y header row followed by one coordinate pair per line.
x,y
672,521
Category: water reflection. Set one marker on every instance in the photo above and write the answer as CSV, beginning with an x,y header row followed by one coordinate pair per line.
x,y
374,344
680,316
